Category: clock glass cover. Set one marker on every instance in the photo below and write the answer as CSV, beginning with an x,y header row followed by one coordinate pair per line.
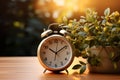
x,y
55,53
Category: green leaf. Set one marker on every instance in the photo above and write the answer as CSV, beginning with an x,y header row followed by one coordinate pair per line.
x,y
107,12
115,65
85,56
82,33
77,52
65,20
112,55
116,58
94,61
77,66
81,62
90,38
83,68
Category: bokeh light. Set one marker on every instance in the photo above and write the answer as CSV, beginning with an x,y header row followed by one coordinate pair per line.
x,y
56,9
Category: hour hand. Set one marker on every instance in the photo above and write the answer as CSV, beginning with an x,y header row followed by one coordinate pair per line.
x,y
52,50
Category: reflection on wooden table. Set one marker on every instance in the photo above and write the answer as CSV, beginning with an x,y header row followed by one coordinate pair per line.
x,y
28,68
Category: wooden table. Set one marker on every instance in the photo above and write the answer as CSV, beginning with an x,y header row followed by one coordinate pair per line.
x,y
28,68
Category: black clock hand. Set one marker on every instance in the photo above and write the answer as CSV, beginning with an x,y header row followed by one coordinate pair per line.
x,y
54,53
55,57
52,50
61,49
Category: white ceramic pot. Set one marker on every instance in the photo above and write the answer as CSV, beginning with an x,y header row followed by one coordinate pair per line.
x,y
106,66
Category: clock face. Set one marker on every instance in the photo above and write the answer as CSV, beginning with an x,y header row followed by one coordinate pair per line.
x,y
55,53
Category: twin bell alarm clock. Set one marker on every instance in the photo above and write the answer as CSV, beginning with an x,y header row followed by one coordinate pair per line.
x,y
54,51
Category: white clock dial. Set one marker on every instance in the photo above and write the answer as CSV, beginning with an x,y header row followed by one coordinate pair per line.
x,y
55,53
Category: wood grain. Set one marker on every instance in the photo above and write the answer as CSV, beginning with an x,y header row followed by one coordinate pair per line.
x,y
28,68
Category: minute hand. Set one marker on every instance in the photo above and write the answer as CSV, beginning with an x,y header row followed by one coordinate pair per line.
x,y
52,50
61,49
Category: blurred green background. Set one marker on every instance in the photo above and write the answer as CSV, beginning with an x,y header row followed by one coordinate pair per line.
x,y
22,21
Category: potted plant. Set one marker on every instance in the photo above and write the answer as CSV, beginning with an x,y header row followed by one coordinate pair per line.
x,y
97,39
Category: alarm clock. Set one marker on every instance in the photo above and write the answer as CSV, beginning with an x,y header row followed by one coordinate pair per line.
x,y
54,51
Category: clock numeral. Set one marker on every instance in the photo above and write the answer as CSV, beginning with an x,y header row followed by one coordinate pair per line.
x,y
46,47
66,59
66,47
67,53
50,63
55,65
50,42
56,41
45,59
43,52
61,63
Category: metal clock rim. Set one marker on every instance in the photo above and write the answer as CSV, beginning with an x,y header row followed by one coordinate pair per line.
x,y
47,67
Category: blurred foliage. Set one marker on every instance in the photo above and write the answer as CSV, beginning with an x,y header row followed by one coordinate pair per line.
x,y
19,28
93,30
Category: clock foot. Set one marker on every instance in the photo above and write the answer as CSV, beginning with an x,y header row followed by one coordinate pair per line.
x,y
67,71
44,70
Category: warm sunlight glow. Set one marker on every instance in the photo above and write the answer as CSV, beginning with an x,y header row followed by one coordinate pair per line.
x,y
74,5
56,9
59,2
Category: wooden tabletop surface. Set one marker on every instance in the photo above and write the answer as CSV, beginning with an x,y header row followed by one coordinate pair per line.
x,y
28,68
